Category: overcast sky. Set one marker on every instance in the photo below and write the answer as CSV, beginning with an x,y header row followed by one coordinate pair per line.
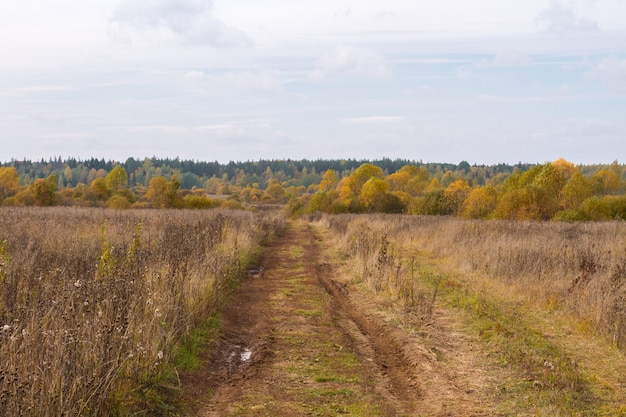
x,y
485,81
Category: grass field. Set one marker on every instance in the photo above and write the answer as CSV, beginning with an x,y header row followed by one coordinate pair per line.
x,y
95,305
545,300
105,312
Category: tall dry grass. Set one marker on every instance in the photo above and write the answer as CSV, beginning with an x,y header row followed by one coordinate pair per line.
x,y
93,302
577,266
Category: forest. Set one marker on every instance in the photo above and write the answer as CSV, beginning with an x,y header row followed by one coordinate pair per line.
x,y
558,190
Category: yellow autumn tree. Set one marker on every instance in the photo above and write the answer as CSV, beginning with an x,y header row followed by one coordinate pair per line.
x,y
99,189
480,203
9,182
329,182
45,191
454,195
409,179
350,187
373,194
275,193
163,193
608,181
375,197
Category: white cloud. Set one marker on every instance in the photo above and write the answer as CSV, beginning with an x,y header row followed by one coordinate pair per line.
x,y
611,69
385,14
351,61
560,18
189,21
511,58
593,128
495,99
374,119
240,81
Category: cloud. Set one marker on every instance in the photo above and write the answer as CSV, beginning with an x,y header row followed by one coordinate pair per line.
x,y
561,19
495,99
464,72
351,61
343,12
385,14
592,129
246,81
511,58
374,119
189,21
611,69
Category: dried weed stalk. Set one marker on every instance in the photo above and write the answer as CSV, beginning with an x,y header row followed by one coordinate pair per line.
x,y
93,302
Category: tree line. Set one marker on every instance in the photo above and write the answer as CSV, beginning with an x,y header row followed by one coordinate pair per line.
x,y
71,171
553,190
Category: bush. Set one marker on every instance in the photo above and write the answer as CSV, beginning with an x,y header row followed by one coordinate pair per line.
x,y
198,202
118,202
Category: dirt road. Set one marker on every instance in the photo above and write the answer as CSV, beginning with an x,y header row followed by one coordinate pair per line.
x,y
295,342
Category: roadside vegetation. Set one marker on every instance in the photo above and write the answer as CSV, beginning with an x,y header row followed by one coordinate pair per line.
x,y
98,307
546,300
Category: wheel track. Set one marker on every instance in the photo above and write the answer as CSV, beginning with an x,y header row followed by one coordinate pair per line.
x,y
395,366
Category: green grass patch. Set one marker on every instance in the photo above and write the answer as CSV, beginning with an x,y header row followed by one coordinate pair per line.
x,y
187,351
309,313
550,380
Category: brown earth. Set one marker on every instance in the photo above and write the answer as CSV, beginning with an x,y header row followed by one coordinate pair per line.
x,y
298,340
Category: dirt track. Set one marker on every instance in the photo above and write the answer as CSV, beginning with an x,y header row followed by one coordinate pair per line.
x,y
296,342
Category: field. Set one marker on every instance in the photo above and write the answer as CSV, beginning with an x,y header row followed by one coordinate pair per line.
x,y
542,303
184,313
96,306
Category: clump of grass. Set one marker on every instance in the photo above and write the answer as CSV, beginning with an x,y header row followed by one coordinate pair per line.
x,y
95,303
383,266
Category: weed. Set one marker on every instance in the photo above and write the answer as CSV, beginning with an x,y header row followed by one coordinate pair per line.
x,y
98,308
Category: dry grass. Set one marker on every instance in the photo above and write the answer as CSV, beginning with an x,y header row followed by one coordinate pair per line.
x,y
94,302
580,267
535,294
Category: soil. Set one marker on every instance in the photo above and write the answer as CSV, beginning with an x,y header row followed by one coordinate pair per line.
x,y
298,340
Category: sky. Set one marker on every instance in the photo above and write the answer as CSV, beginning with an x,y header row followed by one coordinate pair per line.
x,y
486,81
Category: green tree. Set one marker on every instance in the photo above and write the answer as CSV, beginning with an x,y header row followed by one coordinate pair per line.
x,y
116,179
432,203
577,189
551,179
320,201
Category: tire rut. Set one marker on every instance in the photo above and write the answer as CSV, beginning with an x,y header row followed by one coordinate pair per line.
x,y
400,384
267,360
